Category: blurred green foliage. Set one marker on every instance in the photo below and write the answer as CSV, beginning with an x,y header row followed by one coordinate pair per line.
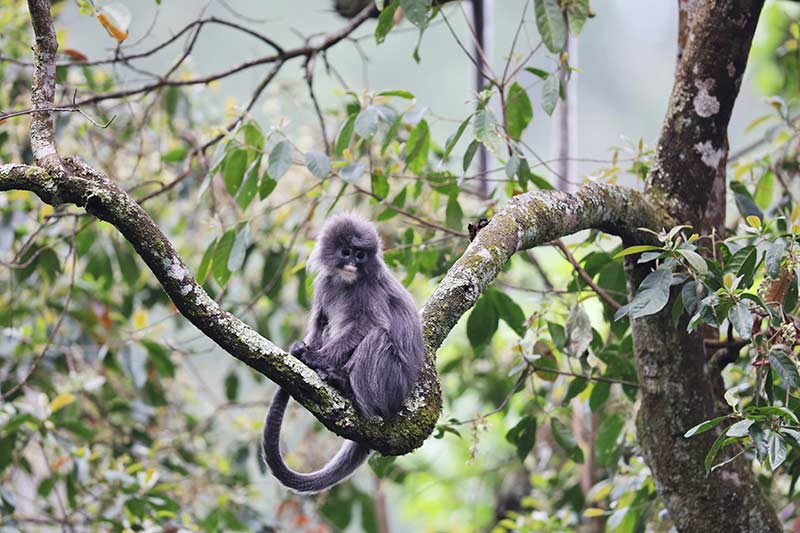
x,y
117,415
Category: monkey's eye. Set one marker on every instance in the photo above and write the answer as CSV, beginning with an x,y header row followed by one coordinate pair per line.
x,y
345,252
361,256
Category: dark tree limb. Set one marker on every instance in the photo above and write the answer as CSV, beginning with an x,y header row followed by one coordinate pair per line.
x,y
43,86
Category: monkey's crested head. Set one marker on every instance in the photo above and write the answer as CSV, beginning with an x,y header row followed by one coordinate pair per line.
x,y
348,248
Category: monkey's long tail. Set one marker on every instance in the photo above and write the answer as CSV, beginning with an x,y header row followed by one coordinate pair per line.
x,y
349,457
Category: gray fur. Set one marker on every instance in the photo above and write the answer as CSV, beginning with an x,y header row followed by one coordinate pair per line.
x,y
364,337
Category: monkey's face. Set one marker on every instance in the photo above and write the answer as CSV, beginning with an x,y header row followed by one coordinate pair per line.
x,y
348,250
351,263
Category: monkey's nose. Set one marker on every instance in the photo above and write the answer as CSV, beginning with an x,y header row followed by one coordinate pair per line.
x,y
349,268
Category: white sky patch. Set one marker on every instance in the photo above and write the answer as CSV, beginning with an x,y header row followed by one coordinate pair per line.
x,y
709,155
705,104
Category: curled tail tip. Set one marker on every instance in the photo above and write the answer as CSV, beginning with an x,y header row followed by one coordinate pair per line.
x,y
349,457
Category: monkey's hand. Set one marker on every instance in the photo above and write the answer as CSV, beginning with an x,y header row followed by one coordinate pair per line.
x,y
298,349
335,376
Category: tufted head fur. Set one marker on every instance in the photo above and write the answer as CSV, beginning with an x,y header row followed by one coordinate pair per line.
x,y
347,250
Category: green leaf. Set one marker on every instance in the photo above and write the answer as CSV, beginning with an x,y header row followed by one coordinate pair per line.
x,y
482,322
280,159
777,450
577,13
743,262
704,426
205,263
552,24
232,386
351,173
253,137
267,186
239,248
512,166
509,311
518,110
760,441
453,214
380,185
345,134
578,331
576,386
401,94
763,193
484,126
318,164
696,261
470,154
391,134
606,440
785,368
248,189
417,146
637,250
744,200
712,453
771,410
416,11
399,201
366,123
774,255
564,438
599,396
174,155
742,319
221,254
451,142
557,334
523,436
160,356
550,94
235,164
651,297
385,22
382,465
538,72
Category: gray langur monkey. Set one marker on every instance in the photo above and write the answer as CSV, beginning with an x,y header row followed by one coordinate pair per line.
x,y
364,337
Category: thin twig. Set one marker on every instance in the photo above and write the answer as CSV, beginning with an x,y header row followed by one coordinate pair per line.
x,y
558,243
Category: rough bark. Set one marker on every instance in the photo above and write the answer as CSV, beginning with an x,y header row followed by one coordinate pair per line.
x,y
675,387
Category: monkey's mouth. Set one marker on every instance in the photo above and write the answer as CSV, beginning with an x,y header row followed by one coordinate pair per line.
x,y
348,273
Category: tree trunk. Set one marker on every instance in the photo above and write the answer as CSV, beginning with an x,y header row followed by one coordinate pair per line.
x,y
675,384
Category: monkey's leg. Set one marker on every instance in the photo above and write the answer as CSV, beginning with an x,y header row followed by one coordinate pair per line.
x,y
378,379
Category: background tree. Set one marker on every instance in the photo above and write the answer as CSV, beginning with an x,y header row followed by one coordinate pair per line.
x,y
108,422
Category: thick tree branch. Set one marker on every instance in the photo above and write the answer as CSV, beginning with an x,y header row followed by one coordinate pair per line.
x,y
692,148
43,87
530,220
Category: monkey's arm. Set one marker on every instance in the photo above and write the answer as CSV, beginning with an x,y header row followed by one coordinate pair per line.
x,y
305,350
316,326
